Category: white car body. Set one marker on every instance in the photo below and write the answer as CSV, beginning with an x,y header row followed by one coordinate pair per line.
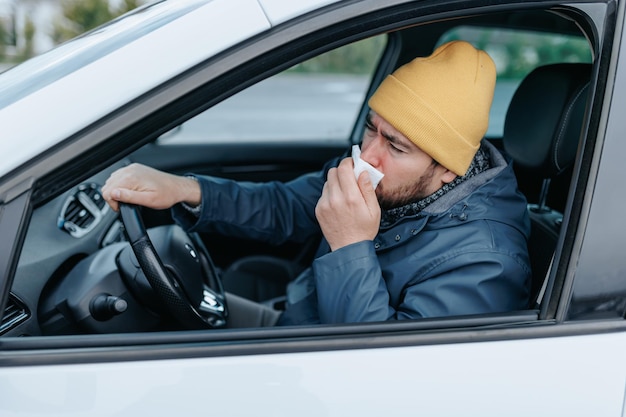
x,y
64,100
489,379
566,369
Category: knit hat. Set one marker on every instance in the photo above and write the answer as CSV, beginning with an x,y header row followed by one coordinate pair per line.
x,y
441,102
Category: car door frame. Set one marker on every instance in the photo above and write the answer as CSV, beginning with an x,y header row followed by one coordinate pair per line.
x,y
47,185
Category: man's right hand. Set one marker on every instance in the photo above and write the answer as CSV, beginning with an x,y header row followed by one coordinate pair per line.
x,y
348,210
148,187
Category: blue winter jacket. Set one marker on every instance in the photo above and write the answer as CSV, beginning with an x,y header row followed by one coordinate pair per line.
x,y
465,253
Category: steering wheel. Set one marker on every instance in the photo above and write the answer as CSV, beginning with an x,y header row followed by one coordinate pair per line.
x,y
195,299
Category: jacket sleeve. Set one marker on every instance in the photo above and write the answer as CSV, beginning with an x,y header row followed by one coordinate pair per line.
x,y
272,212
351,287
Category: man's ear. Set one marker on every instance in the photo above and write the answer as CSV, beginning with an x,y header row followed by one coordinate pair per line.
x,y
448,176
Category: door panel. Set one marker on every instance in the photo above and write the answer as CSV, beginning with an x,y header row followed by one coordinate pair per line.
x,y
488,379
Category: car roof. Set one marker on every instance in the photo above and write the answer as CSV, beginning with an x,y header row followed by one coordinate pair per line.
x,y
53,96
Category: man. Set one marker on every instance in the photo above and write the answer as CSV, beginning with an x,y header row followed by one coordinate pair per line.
x,y
444,233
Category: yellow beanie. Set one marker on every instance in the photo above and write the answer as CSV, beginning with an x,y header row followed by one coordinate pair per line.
x,y
441,102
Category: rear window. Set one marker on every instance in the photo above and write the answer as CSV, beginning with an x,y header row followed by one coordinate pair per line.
x,y
516,54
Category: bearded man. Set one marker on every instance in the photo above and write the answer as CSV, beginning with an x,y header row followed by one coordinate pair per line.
x,y
431,225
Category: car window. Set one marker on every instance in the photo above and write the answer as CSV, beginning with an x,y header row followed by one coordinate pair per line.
x,y
516,54
318,99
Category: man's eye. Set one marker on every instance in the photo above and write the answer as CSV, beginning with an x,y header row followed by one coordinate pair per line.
x,y
369,126
394,148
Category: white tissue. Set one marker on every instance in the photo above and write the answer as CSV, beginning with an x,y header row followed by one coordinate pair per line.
x,y
360,166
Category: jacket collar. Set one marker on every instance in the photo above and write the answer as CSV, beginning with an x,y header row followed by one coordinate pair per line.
x,y
486,161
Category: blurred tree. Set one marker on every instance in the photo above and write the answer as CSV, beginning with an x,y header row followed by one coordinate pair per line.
x,y
355,58
28,49
3,40
129,5
518,53
80,16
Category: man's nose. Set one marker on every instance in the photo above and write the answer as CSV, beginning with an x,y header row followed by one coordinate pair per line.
x,y
371,151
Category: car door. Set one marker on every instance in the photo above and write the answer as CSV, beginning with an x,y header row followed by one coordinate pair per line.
x,y
563,358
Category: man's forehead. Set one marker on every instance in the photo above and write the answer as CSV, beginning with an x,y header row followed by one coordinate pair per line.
x,y
395,136
390,132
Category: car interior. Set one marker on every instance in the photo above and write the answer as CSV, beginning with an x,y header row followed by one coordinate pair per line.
x,y
541,134
68,281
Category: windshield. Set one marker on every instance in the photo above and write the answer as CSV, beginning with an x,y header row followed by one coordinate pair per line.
x,y
40,71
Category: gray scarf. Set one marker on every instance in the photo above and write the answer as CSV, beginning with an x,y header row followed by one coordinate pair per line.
x,y
480,163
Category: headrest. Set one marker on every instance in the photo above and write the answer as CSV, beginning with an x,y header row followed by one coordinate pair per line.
x,y
544,120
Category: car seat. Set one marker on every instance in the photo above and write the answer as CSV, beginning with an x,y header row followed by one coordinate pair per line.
x,y
541,134
261,278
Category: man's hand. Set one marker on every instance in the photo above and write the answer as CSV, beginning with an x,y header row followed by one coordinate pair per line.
x,y
144,186
348,211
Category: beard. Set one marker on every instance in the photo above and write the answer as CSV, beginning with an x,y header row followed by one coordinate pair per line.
x,y
405,194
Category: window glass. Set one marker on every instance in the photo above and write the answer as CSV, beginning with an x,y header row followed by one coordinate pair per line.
x,y
317,99
516,54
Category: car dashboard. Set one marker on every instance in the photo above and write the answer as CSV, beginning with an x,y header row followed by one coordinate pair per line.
x,y
61,232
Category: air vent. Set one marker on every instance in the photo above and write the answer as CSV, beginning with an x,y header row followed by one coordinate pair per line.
x,y
83,210
14,313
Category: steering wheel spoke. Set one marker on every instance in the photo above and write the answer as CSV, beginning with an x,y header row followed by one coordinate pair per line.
x,y
213,305
189,285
